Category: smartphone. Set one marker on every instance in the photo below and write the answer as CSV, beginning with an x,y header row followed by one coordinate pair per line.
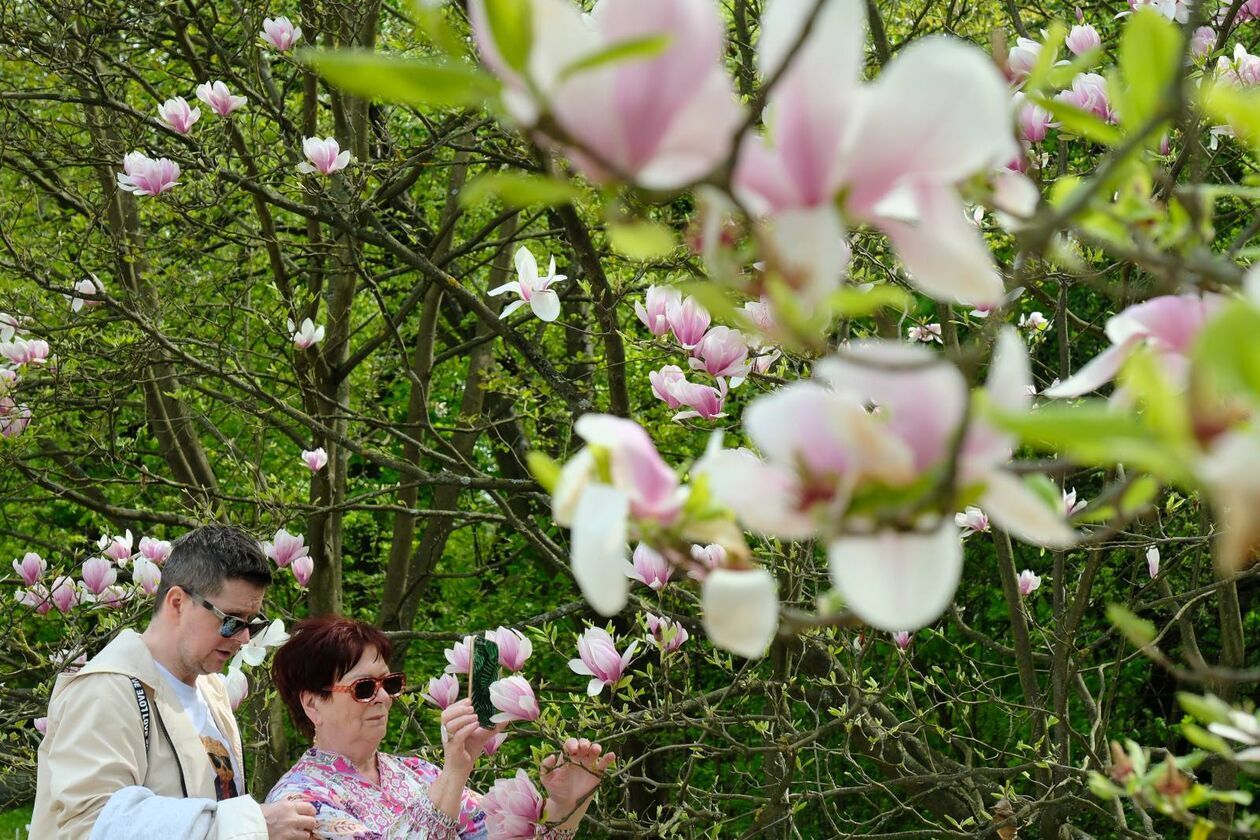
x,y
483,671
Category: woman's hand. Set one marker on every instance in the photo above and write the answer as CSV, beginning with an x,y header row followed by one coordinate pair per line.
x,y
465,736
570,777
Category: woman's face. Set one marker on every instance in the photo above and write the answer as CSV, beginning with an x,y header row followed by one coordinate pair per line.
x,y
345,725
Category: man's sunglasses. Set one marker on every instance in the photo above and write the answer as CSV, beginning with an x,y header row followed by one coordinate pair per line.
x,y
231,624
365,688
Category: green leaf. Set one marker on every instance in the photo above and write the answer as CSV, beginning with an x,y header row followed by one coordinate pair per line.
x,y
627,50
1202,829
1238,108
1138,495
641,240
714,299
1228,351
1203,739
1149,61
1163,410
1039,76
518,189
1083,123
544,469
852,302
1102,787
403,81
512,27
1205,709
1138,631
431,20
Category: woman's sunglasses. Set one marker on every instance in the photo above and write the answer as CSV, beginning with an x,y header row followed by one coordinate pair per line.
x,y
365,688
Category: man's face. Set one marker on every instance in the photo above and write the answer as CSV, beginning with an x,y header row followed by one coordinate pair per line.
x,y
200,647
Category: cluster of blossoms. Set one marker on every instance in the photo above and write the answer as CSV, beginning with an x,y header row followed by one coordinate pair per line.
x,y
98,579
17,352
728,355
290,551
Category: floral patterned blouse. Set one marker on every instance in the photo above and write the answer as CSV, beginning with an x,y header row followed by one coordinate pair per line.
x,y
349,807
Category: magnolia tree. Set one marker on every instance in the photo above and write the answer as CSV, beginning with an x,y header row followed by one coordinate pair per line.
x,y
875,455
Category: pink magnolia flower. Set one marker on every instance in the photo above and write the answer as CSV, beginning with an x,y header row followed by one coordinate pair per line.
x,y
1242,71
308,335
65,594
144,176
721,352
1082,39
1169,325
688,320
155,550
280,33
113,596
8,378
1152,561
443,690
892,151
86,293
1202,42
1028,582
741,610
1249,10
41,725
902,639
1033,323
117,548
972,520
648,567
534,290
98,573
1022,58
146,574
599,659
177,115
664,120
514,698
1070,504
760,314
701,401
653,310
315,459
14,418
21,351
492,746
30,568
35,597
323,155
1175,10
663,382
237,686
303,567
513,807
708,558
664,633
284,547
1034,121
514,647
1089,93
925,333
219,98
458,658
762,363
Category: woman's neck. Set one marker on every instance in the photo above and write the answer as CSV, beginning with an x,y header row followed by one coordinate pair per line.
x,y
364,762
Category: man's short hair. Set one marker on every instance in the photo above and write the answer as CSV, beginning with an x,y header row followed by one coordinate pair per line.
x,y
202,559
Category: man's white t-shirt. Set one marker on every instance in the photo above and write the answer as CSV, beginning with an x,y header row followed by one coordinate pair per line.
x,y
227,771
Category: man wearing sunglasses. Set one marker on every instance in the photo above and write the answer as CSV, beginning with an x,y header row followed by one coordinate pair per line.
x,y
141,741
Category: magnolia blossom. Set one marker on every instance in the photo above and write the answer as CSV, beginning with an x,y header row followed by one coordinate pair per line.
x,y
41,725
514,647
492,746
598,506
254,651
1152,561
514,698
117,547
177,115
534,290
308,335
219,98
284,547
664,633
280,33
65,594
1082,39
1028,582
30,568
688,320
1033,323
21,351
1089,93
86,293
323,155
14,418
902,639
144,176
1249,10
972,520
741,609
1176,10
653,310
114,596
707,558
8,378
146,575
459,658
35,597
1022,58
1034,121
1242,71
925,333
315,459
513,808
1202,42
663,382
1071,506
303,567
1243,728
648,567
670,385
600,660
237,686
892,150
1168,325
98,573
155,550
663,120
443,690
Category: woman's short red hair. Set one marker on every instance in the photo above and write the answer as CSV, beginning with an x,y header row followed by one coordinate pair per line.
x,y
319,652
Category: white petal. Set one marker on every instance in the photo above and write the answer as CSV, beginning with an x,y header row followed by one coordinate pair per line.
x,y
1016,508
506,287
510,308
761,495
570,487
810,249
599,547
1010,374
1098,372
526,267
898,580
741,610
594,687
546,305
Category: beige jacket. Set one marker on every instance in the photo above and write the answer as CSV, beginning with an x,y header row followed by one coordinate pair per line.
x,y
95,747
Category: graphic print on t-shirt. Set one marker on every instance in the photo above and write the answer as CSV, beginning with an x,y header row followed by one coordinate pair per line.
x,y
224,777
